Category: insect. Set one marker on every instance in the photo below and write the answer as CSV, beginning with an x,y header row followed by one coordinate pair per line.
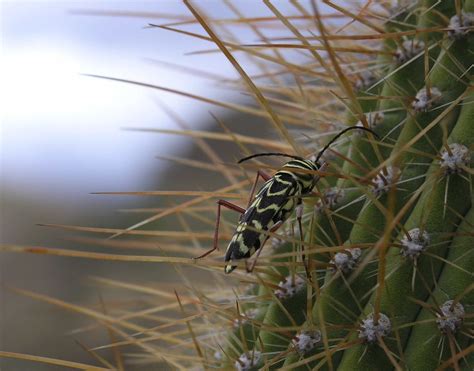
x,y
273,204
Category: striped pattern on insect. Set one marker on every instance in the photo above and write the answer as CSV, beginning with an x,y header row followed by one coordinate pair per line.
x,y
273,204
271,207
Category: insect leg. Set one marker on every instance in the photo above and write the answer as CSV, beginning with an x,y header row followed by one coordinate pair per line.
x,y
230,206
252,265
265,177
299,215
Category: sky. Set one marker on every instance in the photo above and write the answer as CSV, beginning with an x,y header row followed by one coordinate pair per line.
x,y
59,127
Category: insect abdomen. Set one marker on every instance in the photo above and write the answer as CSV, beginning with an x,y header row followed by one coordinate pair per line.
x,y
244,243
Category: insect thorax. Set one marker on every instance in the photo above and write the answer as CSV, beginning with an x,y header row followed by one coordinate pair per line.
x,y
297,168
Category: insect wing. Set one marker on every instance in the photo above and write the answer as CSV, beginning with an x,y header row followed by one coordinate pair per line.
x,y
276,202
273,203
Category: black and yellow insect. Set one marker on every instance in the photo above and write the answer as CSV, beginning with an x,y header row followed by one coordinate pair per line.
x,y
273,204
271,207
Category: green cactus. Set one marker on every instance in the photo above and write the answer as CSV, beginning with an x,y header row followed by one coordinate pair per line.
x,y
370,314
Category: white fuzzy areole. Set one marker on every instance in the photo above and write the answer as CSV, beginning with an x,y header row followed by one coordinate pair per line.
x,y
385,180
331,198
347,260
306,340
369,331
365,79
451,318
425,100
248,360
457,161
460,26
289,287
408,50
412,247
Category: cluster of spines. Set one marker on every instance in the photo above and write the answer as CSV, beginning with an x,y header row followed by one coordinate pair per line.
x,y
425,241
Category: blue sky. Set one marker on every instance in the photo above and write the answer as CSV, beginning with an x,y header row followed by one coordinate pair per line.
x,y
63,130
60,127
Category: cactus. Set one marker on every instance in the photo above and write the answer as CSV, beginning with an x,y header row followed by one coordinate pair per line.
x,y
389,236
379,307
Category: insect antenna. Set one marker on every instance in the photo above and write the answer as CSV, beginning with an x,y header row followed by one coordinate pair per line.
x,y
269,154
339,135
320,152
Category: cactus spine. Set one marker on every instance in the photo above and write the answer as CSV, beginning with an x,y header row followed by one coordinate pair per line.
x,y
391,304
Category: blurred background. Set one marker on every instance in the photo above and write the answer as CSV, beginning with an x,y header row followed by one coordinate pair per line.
x,y
62,138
